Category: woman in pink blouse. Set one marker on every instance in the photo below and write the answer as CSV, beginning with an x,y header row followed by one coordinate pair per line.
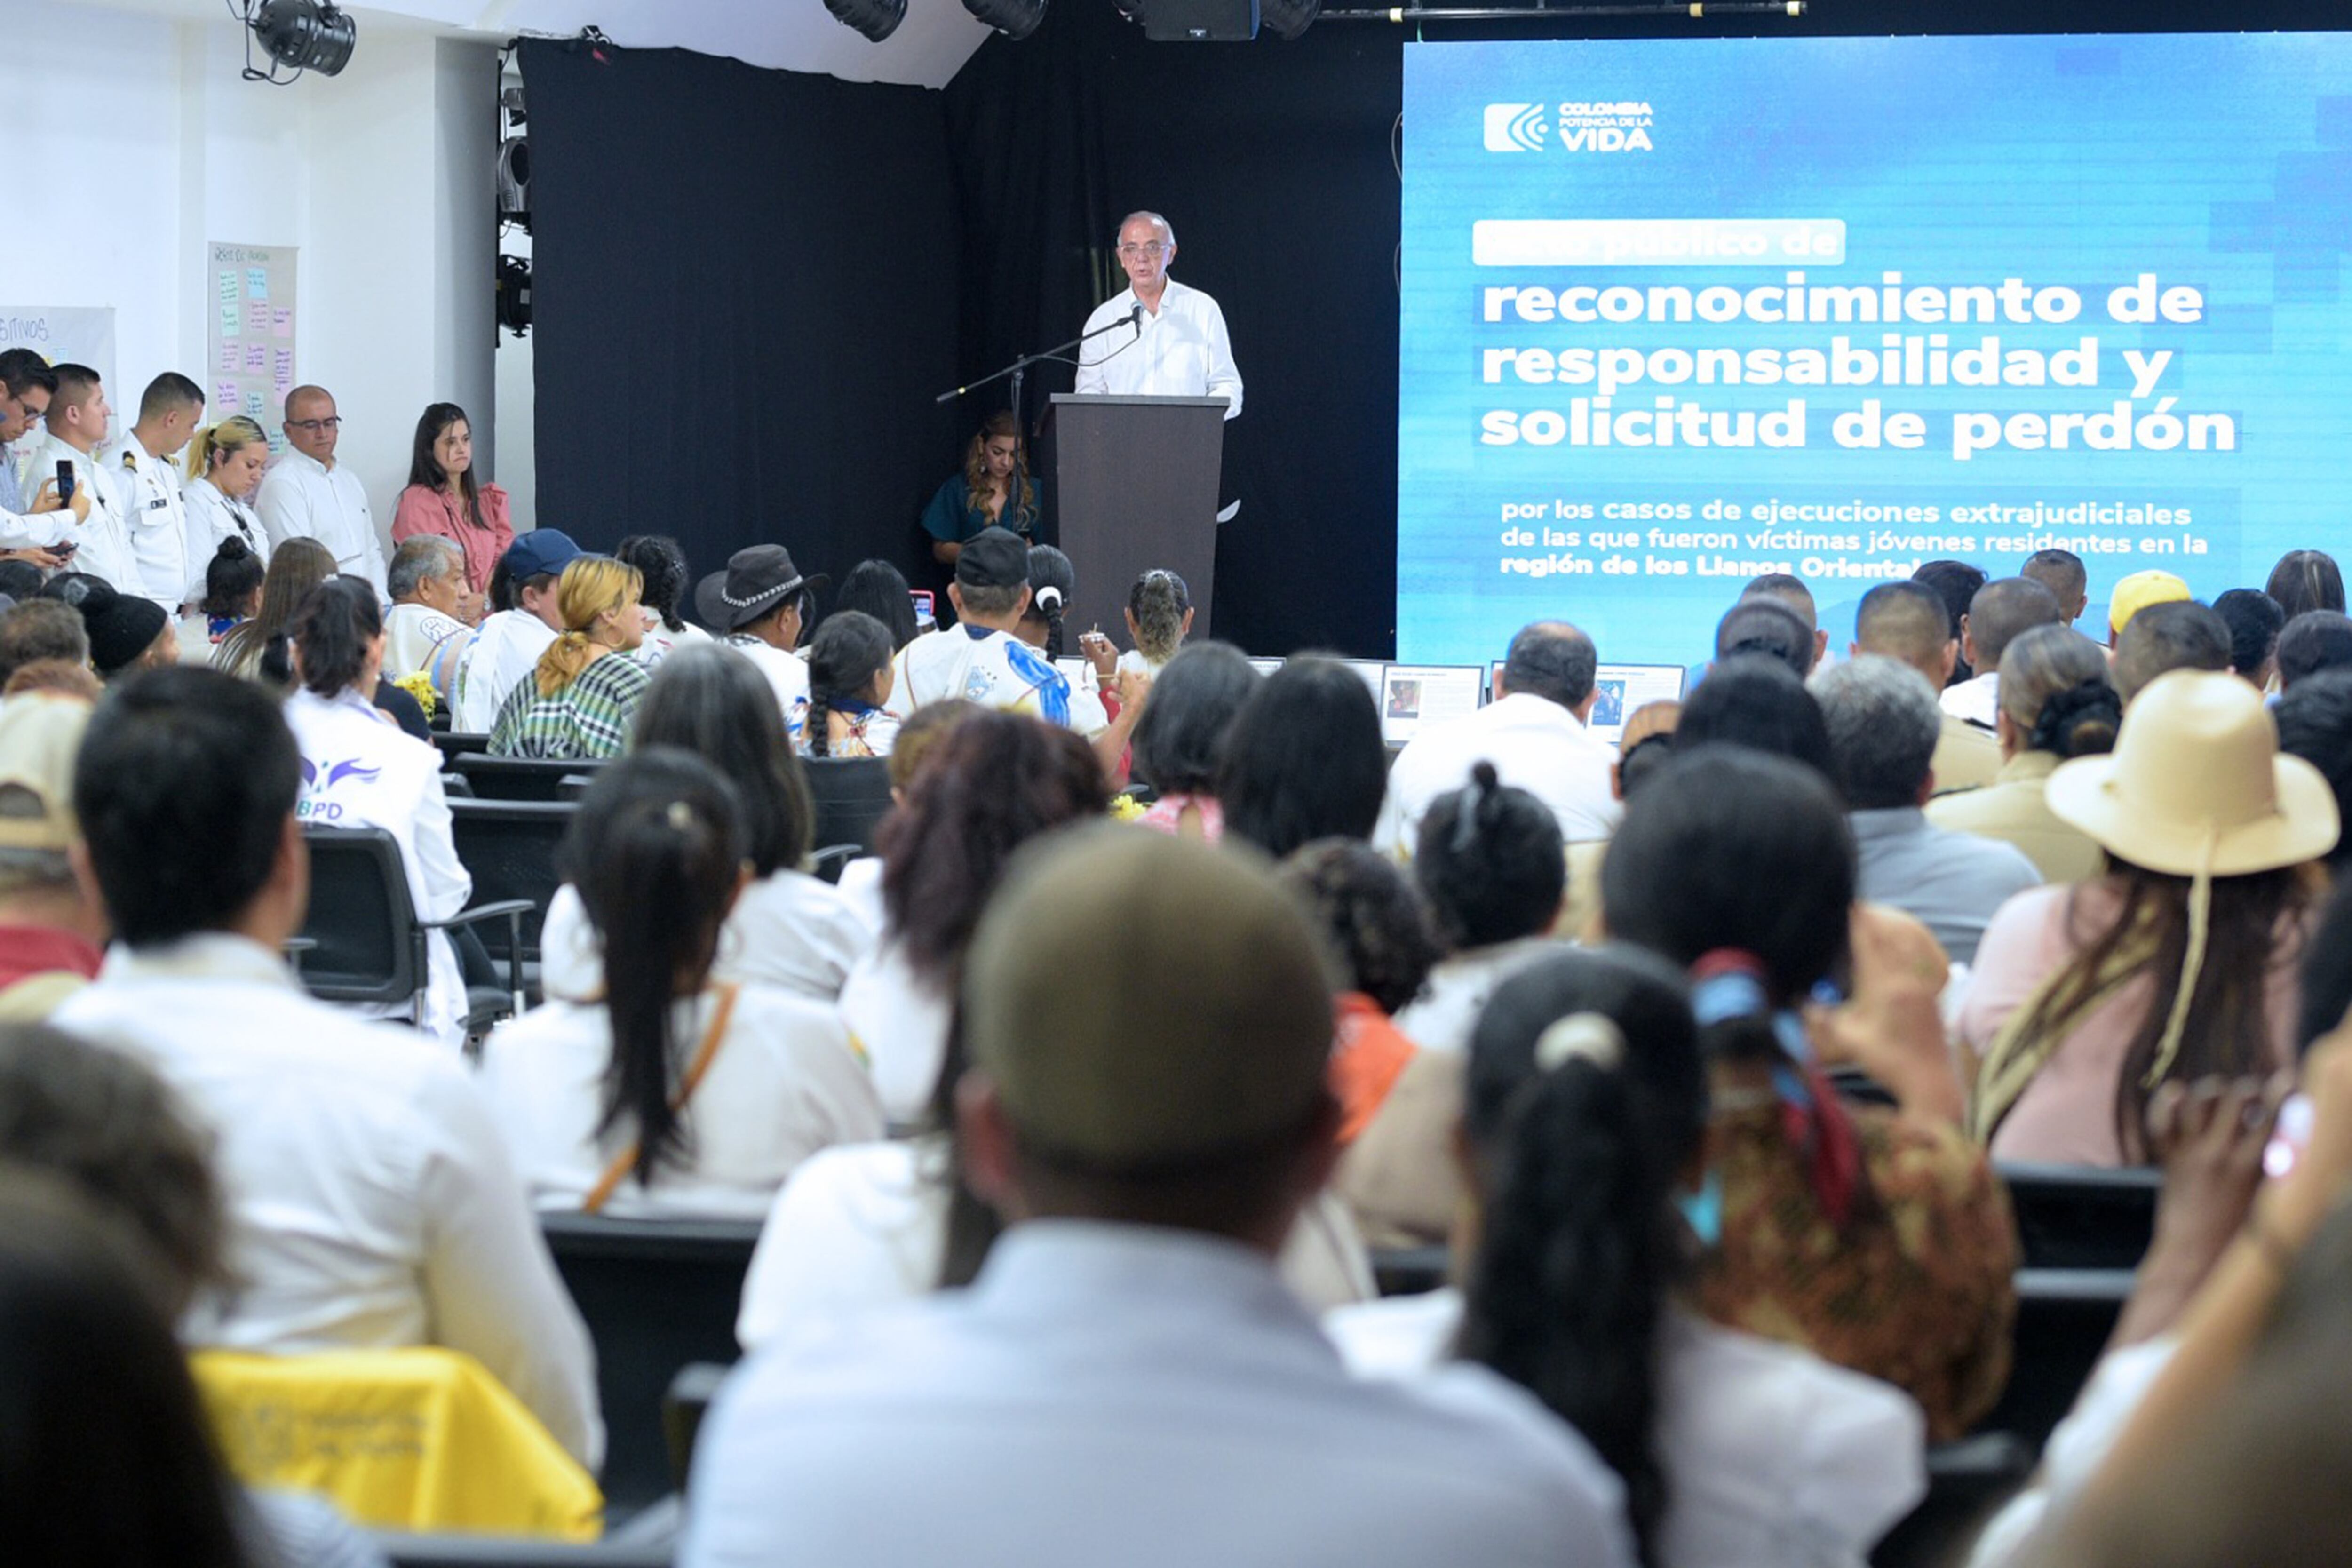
x,y
443,497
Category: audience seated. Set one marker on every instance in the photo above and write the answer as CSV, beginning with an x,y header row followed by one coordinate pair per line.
x,y
482,671
1789,592
1883,725
428,587
128,632
787,930
1906,621
672,1093
1583,1136
2254,620
849,675
295,568
1159,618
2137,592
880,590
582,694
2315,722
1303,759
760,606
1126,1353
2086,998
1764,625
2061,572
1533,735
372,1198
2056,704
661,563
230,596
1180,742
2310,642
1955,586
1878,1239
1761,704
360,770
860,882
41,629
2175,635
990,783
50,930
1494,883
1106,706
61,676
1996,614
2306,580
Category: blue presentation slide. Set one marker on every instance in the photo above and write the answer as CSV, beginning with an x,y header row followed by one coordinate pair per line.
x,y
1676,313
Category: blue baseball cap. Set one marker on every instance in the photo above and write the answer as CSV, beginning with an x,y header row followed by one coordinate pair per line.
x,y
543,551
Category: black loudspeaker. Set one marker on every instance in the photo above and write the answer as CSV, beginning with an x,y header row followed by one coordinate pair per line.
x,y
1200,21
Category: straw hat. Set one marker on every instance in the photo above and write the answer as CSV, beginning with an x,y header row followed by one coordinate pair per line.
x,y
2196,784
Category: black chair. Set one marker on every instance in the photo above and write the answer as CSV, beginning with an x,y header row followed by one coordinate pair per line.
x,y
509,847
2079,1216
656,1295
852,797
683,1408
1409,1270
2064,1319
455,786
366,944
826,863
1965,1481
520,778
505,1551
573,786
459,744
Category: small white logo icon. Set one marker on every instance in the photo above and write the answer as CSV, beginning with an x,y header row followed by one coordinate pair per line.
x,y
1514,127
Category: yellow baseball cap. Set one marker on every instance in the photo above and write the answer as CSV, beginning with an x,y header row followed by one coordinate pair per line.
x,y
2137,592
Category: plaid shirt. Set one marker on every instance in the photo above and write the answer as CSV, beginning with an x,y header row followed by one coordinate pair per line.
x,y
589,717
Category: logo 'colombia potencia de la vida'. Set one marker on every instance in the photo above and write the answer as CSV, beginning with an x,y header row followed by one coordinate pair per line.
x,y
1581,127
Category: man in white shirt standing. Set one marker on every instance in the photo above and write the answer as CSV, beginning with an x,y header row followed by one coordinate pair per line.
x,y
1128,1380
307,495
75,428
1533,732
372,1200
35,519
1174,343
139,462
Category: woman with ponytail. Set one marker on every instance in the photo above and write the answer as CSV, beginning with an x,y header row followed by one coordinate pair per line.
x,y
359,769
849,682
1875,1238
2057,703
1106,706
673,1094
578,702
225,464
1159,620
1582,1145
295,568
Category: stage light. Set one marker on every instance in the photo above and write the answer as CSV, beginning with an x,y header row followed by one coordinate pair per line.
x,y
1016,19
877,20
1289,18
305,35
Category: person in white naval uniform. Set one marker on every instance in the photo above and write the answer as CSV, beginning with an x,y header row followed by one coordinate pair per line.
x,y
73,431
307,495
225,464
32,521
140,463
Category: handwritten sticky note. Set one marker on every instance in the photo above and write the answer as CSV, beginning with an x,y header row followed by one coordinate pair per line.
x,y
257,283
228,288
253,405
231,323
224,396
256,356
257,317
229,359
282,366
281,323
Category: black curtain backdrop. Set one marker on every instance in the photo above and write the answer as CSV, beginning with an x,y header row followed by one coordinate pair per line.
x,y
744,299
856,248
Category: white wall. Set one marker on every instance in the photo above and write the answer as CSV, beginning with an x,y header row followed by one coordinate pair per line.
x,y
148,146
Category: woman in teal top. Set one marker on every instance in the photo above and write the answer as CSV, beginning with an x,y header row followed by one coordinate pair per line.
x,y
975,498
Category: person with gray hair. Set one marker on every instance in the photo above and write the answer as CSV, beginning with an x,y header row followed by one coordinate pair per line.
x,y
1533,732
427,580
1883,723
1157,337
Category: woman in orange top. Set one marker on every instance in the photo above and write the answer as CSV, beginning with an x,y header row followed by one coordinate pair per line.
x,y
1382,931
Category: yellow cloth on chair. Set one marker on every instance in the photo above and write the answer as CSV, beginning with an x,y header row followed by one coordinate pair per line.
x,y
422,1439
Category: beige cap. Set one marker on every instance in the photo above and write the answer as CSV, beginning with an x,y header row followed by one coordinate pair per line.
x,y
2137,592
2196,783
1198,1024
40,736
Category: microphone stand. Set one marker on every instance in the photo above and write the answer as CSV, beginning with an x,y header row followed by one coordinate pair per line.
x,y
1019,370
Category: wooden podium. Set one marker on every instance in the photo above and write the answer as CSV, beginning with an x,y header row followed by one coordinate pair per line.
x,y
1137,488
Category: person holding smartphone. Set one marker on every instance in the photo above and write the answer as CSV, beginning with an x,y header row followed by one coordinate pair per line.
x,y
37,527
75,428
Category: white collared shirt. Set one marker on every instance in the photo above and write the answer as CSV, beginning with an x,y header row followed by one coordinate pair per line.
x,y
104,541
504,650
1774,1458
1123,1393
1977,701
788,930
1178,351
783,1086
301,497
372,1204
1536,746
360,769
155,519
19,527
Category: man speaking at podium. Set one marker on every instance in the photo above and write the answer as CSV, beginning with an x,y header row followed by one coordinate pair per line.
x,y
1169,340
